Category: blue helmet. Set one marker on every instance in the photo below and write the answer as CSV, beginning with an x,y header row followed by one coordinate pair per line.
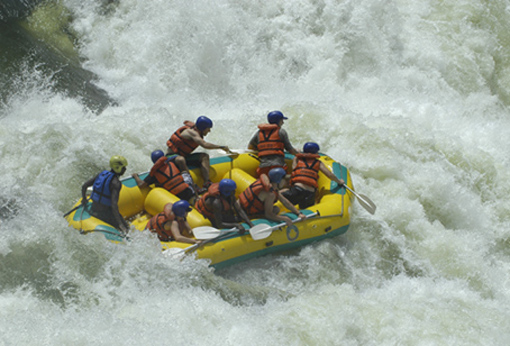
x,y
311,147
203,123
276,175
227,186
274,117
180,208
156,155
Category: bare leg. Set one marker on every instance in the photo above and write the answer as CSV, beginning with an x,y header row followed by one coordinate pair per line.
x,y
180,161
204,166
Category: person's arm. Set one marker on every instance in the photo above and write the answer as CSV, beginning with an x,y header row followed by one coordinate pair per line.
x,y
243,214
115,188
330,174
285,138
217,208
84,187
141,183
294,163
268,198
176,234
254,141
193,135
290,206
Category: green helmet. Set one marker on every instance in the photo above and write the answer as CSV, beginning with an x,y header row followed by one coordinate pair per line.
x,y
117,163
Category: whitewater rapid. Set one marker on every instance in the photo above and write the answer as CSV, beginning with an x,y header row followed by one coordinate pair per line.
x,y
411,97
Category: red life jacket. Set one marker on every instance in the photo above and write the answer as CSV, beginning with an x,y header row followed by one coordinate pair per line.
x,y
157,225
168,176
179,145
270,142
212,192
249,198
307,170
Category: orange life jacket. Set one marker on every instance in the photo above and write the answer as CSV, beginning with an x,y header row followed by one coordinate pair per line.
x,y
157,225
168,176
249,198
180,145
212,192
270,142
307,170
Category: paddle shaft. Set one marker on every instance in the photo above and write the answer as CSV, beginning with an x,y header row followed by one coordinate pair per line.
x,y
265,232
196,246
70,211
206,232
363,200
105,232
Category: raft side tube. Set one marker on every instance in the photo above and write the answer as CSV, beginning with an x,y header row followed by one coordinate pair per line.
x,y
159,197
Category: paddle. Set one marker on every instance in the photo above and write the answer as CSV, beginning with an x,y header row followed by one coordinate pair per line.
x,y
262,231
363,200
193,247
234,155
240,151
70,211
208,232
105,232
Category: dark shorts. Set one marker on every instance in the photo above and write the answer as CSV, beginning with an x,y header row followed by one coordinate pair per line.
x,y
194,159
105,214
298,195
191,159
186,194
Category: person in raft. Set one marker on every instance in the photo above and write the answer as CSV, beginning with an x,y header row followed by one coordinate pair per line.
x,y
186,139
258,198
270,141
218,205
105,194
165,173
171,224
304,177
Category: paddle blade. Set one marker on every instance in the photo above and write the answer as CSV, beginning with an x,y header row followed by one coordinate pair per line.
x,y
206,232
179,253
260,231
366,203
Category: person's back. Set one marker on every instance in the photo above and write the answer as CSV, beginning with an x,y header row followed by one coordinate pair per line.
x,y
258,199
218,205
253,197
181,143
165,174
305,175
185,140
106,188
171,224
305,172
271,141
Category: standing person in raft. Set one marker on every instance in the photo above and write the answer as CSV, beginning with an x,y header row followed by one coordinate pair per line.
x,y
258,198
218,205
305,174
105,194
164,173
185,140
270,141
171,224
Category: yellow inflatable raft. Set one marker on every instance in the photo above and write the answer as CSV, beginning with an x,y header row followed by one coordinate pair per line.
x,y
329,217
